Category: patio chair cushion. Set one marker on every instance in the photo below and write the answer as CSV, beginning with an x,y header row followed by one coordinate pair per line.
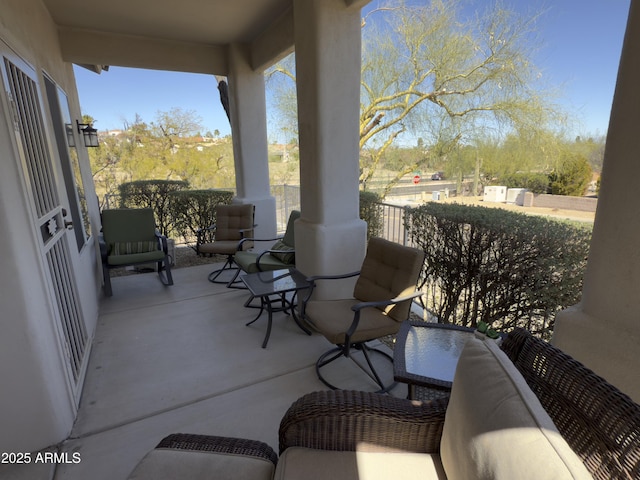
x,y
155,256
285,253
495,418
389,270
247,262
236,223
127,248
310,464
171,464
233,223
128,225
220,247
335,314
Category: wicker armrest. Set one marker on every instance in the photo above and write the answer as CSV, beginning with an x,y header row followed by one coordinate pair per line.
x,y
214,444
345,420
599,422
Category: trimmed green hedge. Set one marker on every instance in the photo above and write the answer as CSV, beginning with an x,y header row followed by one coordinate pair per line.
x,y
152,194
371,212
179,212
192,210
504,268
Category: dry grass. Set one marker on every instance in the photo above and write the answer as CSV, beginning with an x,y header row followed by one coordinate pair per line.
x,y
557,213
186,257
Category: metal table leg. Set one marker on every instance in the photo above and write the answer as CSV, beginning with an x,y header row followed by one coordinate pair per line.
x,y
287,306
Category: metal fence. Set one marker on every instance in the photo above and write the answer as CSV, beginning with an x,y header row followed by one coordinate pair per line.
x,y
393,227
287,198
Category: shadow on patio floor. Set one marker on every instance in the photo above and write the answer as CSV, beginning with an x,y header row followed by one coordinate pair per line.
x,y
180,359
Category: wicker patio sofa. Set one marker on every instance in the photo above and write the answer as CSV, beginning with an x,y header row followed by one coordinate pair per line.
x,y
588,428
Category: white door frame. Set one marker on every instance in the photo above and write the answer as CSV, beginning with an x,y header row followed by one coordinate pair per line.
x,y
46,197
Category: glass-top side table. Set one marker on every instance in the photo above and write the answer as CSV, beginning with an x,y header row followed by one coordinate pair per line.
x,y
271,287
426,354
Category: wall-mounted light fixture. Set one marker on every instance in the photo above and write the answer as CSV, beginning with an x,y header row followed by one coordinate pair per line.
x,y
89,134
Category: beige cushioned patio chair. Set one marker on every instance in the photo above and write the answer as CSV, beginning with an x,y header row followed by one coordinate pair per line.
x,y
381,300
129,237
233,223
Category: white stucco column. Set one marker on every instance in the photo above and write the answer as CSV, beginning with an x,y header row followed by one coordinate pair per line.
x,y
249,131
330,237
603,331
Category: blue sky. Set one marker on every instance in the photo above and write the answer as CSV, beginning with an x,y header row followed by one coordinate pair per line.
x,y
117,95
583,41
579,53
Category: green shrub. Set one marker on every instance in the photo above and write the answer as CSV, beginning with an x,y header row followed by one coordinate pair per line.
x,y
371,212
193,210
534,182
152,194
572,176
504,268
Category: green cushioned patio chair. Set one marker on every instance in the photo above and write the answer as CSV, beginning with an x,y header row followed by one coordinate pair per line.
x,y
129,237
282,253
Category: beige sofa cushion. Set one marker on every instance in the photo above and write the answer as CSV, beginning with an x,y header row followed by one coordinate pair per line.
x,y
303,463
495,427
184,464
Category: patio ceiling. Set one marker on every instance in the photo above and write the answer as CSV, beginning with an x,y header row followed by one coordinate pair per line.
x,y
215,22
191,35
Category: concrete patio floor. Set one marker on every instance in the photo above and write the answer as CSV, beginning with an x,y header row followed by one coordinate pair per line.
x,y
180,359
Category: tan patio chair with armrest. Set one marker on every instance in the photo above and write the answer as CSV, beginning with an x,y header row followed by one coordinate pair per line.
x,y
381,300
233,223
129,237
